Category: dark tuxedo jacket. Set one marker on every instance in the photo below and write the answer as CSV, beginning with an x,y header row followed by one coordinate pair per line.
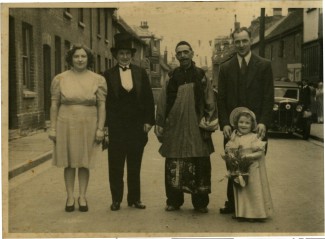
x,y
306,97
259,89
144,102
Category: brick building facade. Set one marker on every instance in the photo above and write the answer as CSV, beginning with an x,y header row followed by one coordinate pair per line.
x,y
38,41
283,43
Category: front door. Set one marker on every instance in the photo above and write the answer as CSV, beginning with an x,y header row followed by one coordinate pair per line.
x,y
47,80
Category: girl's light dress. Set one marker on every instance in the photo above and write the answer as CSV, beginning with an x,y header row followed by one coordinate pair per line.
x,y
254,200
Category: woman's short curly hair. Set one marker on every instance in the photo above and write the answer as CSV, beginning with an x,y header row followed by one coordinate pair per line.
x,y
74,48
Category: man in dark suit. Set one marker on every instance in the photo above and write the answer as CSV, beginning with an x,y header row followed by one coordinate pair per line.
x,y
130,116
305,98
245,80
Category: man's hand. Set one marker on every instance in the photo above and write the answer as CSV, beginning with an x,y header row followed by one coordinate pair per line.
x,y
159,131
227,131
261,131
146,128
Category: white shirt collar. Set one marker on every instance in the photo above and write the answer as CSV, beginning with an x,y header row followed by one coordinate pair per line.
x,y
127,66
247,58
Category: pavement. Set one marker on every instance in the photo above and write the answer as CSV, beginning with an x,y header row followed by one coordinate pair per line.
x,y
30,151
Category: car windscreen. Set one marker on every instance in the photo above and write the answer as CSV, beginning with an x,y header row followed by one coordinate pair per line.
x,y
286,93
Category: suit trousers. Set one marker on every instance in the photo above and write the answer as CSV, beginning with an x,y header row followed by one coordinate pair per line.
x,y
118,153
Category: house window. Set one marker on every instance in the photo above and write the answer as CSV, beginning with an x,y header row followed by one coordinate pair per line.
x,y
106,24
81,18
67,13
153,67
296,45
98,21
67,45
57,55
98,64
281,49
106,63
271,53
27,48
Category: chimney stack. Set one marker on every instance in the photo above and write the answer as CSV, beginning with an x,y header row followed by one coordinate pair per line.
x,y
277,12
144,25
237,24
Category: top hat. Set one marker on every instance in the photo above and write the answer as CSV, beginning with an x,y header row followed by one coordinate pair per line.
x,y
123,41
235,113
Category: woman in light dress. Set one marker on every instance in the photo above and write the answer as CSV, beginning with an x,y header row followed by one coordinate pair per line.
x,y
77,119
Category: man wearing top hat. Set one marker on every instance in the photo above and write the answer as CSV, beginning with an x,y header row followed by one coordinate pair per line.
x,y
130,116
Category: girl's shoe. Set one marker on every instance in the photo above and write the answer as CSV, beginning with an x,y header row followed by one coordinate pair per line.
x,y
83,208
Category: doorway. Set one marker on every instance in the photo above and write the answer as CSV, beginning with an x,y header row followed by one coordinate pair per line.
x,y
47,80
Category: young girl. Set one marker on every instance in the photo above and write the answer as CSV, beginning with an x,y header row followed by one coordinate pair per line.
x,y
252,199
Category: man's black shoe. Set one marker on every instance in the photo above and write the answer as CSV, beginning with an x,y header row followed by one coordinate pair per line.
x,y
227,210
138,205
202,209
170,208
115,206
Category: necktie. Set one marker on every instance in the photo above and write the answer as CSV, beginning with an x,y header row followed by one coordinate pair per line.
x,y
243,68
124,68
242,83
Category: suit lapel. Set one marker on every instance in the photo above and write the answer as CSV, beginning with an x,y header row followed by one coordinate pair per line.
x,y
116,81
252,69
234,74
137,81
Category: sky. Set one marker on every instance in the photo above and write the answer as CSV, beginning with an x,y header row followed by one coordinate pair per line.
x,y
191,21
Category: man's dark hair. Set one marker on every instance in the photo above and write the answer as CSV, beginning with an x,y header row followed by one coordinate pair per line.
x,y
241,29
183,43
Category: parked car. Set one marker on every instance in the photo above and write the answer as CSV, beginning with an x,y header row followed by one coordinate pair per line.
x,y
289,114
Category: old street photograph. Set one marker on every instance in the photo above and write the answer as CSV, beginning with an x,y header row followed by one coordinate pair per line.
x,y
162,119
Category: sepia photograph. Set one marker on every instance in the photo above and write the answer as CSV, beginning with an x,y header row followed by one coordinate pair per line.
x,y
162,119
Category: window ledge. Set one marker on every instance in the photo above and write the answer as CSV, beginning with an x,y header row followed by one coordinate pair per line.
x,y
106,41
99,36
81,24
27,94
67,15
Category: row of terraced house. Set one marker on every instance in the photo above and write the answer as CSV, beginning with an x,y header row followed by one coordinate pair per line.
x,y
38,41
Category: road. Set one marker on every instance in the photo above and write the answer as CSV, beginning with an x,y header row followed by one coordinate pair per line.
x,y
295,171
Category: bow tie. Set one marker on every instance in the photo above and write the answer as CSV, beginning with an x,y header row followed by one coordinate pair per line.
x,y
124,68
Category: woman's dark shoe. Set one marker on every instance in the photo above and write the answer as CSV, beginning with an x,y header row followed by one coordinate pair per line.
x,y
115,206
83,208
170,208
69,208
137,204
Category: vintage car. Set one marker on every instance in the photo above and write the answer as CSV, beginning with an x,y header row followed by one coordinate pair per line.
x,y
289,115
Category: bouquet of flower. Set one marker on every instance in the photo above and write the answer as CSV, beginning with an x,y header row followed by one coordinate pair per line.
x,y
238,166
